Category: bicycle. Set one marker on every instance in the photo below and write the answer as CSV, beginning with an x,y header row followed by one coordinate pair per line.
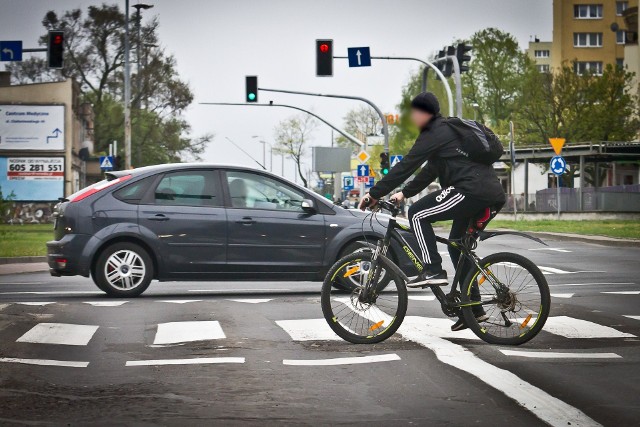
x,y
375,309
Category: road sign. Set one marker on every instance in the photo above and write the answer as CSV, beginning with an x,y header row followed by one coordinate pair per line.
x,y
362,156
557,144
11,50
320,183
363,170
106,163
347,183
359,56
362,179
558,165
395,159
370,183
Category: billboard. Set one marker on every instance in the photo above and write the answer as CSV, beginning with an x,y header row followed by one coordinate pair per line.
x,y
330,159
32,127
32,178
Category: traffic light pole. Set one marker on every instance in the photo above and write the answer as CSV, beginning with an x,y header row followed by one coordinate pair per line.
x,y
424,74
385,128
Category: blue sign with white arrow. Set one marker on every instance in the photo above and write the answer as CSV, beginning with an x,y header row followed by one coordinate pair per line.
x,y
359,56
11,50
558,165
106,163
363,170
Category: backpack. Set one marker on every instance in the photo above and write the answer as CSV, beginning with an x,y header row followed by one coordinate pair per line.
x,y
477,141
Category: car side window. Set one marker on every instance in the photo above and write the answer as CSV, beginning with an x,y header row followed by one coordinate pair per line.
x,y
255,191
188,188
133,193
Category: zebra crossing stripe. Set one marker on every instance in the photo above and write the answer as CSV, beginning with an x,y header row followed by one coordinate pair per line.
x,y
622,292
180,332
179,301
45,362
570,327
308,330
59,333
559,355
342,360
105,303
632,317
252,300
192,361
562,295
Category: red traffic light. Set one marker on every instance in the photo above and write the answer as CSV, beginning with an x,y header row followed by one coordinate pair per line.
x,y
324,48
57,39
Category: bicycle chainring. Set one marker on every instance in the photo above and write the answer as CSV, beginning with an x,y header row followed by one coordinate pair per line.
x,y
451,299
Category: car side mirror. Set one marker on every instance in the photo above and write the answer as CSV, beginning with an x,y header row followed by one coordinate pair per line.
x,y
308,206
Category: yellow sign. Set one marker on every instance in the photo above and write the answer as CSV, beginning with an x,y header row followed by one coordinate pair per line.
x,y
557,144
362,156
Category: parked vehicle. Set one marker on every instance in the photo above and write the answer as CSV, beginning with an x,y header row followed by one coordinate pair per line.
x,y
202,222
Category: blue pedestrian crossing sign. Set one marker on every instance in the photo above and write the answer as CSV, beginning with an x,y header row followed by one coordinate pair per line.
x,y
106,163
395,160
363,170
359,56
347,183
11,50
558,165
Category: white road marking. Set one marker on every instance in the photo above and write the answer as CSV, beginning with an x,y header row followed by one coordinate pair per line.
x,y
342,360
106,303
179,332
632,317
34,303
308,330
59,333
570,327
562,295
422,297
51,293
179,301
551,249
622,292
45,362
225,291
552,270
3,306
557,355
252,300
592,284
194,361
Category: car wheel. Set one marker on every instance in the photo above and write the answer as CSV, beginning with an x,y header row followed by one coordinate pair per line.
x,y
124,270
350,283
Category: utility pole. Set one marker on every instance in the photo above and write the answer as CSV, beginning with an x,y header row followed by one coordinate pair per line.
x,y
127,90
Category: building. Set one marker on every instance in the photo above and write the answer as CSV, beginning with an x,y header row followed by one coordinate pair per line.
x,y
540,53
46,134
583,35
631,48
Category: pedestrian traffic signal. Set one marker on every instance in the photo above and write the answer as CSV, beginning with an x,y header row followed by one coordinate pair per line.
x,y
385,166
252,89
463,57
55,49
324,58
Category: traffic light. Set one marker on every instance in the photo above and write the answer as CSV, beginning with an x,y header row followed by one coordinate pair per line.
x,y
252,89
324,58
445,66
463,58
384,163
55,49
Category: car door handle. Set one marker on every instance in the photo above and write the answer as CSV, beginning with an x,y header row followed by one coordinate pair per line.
x,y
246,221
158,217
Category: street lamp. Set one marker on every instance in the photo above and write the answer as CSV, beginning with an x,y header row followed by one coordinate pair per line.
x,y
264,153
475,106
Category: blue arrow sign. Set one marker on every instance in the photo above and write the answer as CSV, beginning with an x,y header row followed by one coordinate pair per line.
x,y
11,50
359,57
371,183
106,163
363,170
558,165
347,183
395,160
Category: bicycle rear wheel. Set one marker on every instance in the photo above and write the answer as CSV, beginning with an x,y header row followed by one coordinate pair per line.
x,y
517,313
355,318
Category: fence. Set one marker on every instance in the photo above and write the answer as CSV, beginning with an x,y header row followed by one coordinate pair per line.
x,y
622,198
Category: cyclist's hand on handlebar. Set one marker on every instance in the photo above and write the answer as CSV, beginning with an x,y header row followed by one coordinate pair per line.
x,y
367,202
398,197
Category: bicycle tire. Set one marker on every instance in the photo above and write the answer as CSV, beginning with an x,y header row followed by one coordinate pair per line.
x,y
326,300
521,263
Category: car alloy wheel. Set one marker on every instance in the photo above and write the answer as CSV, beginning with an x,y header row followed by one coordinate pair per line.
x,y
125,270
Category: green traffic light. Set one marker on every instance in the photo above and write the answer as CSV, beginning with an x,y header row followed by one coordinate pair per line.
x,y
251,96
385,171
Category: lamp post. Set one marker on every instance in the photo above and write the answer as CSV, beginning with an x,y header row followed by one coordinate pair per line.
x,y
264,152
475,106
138,7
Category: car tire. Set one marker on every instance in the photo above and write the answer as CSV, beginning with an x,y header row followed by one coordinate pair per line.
x,y
123,270
351,248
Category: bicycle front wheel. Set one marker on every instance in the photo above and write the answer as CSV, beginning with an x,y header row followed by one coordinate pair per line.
x,y
363,316
514,294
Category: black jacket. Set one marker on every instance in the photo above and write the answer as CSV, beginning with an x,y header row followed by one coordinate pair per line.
x,y
439,146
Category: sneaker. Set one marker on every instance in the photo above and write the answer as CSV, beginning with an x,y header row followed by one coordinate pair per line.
x,y
461,324
428,278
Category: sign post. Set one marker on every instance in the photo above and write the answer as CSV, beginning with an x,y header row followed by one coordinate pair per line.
x,y
512,151
558,165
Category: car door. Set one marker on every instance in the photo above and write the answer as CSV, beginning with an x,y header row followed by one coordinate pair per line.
x,y
186,215
267,227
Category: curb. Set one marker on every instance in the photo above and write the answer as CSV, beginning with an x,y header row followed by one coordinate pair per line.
x,y
598,240
22,260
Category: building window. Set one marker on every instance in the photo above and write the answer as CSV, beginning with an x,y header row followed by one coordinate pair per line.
x,y
543,68
620,62
621,36
621,6
593,67
587,11
587,39
541,53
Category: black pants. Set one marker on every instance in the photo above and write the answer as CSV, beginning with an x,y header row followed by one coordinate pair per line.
x,y
443,205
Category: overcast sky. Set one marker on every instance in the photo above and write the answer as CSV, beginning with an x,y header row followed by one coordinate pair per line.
x,y
218,42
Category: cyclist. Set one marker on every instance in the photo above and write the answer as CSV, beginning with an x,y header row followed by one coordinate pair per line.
x,y
468,187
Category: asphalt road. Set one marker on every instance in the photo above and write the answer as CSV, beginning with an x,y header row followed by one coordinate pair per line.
x,y
259,353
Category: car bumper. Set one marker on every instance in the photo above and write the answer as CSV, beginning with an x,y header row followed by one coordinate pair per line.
x,y
65,256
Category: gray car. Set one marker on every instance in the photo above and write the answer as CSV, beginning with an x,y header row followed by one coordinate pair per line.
x,y
202,222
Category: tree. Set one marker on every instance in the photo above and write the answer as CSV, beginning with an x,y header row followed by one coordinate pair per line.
x,y
291,136
94,54
363,120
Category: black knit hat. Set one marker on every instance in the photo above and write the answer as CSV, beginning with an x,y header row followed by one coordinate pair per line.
x,y
427,102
